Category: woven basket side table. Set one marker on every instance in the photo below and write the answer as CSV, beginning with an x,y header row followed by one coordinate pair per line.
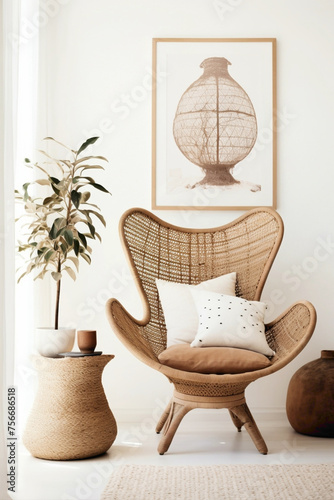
x,y
70,418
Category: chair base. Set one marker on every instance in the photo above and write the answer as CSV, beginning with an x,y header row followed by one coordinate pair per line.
x,y
181,404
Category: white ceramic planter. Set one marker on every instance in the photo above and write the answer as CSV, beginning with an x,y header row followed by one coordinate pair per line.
x,y
50,342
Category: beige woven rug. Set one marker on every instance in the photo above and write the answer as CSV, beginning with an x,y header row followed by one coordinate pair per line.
x,y
220,482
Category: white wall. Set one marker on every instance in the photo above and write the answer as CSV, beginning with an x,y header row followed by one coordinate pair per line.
x,y
96,52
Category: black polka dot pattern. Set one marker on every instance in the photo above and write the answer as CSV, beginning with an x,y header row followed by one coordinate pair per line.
x,y
230,321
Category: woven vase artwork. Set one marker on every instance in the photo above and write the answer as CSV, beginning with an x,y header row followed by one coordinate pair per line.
x,y
70,418
215,123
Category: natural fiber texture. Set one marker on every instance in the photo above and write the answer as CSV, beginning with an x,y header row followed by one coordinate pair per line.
x,y
247,246
70,418
173,254
221,482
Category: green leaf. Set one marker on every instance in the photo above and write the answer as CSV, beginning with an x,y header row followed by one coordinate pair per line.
x,y
40,275
62,185
91,228
99,187
85,196
75,262
86,158
25,191
92,205
49,254
41,168
54,140
76,198
56,227
55,189
76,246
19,279
68,235
83,239
48,200
94,167
41,251
90,179
55,180
27,160
86,214
87,143
56,276
86,257
99,216
60,222
71,273
64,248
43,182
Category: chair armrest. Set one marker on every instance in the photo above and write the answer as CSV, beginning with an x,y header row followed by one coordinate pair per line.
x,y
131,333
288,334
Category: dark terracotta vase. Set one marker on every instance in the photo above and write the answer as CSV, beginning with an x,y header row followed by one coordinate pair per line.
x,y
310,397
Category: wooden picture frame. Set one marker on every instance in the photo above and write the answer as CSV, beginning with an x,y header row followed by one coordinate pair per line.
x,y
214,141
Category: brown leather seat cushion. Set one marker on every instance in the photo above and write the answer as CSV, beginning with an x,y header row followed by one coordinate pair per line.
x,y
216,360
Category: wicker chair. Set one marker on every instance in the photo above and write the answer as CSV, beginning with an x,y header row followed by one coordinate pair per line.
x,y
248,245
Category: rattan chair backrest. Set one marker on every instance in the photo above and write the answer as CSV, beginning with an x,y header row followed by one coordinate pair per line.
x,y
156,249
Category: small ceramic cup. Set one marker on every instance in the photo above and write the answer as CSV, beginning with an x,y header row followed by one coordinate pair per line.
x,y
86,340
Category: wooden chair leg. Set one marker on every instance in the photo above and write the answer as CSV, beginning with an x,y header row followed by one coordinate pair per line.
x,y
243,413
176,414
163,417
237,422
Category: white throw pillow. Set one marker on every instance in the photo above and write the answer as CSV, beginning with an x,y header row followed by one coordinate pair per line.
x,y
230,322
179,308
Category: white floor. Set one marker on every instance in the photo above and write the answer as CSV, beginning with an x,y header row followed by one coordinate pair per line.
x,y
203,438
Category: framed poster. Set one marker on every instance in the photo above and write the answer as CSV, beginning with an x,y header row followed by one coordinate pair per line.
x,y
214,123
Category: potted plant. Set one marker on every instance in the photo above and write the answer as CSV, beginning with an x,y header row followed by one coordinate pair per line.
x,y
61,223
